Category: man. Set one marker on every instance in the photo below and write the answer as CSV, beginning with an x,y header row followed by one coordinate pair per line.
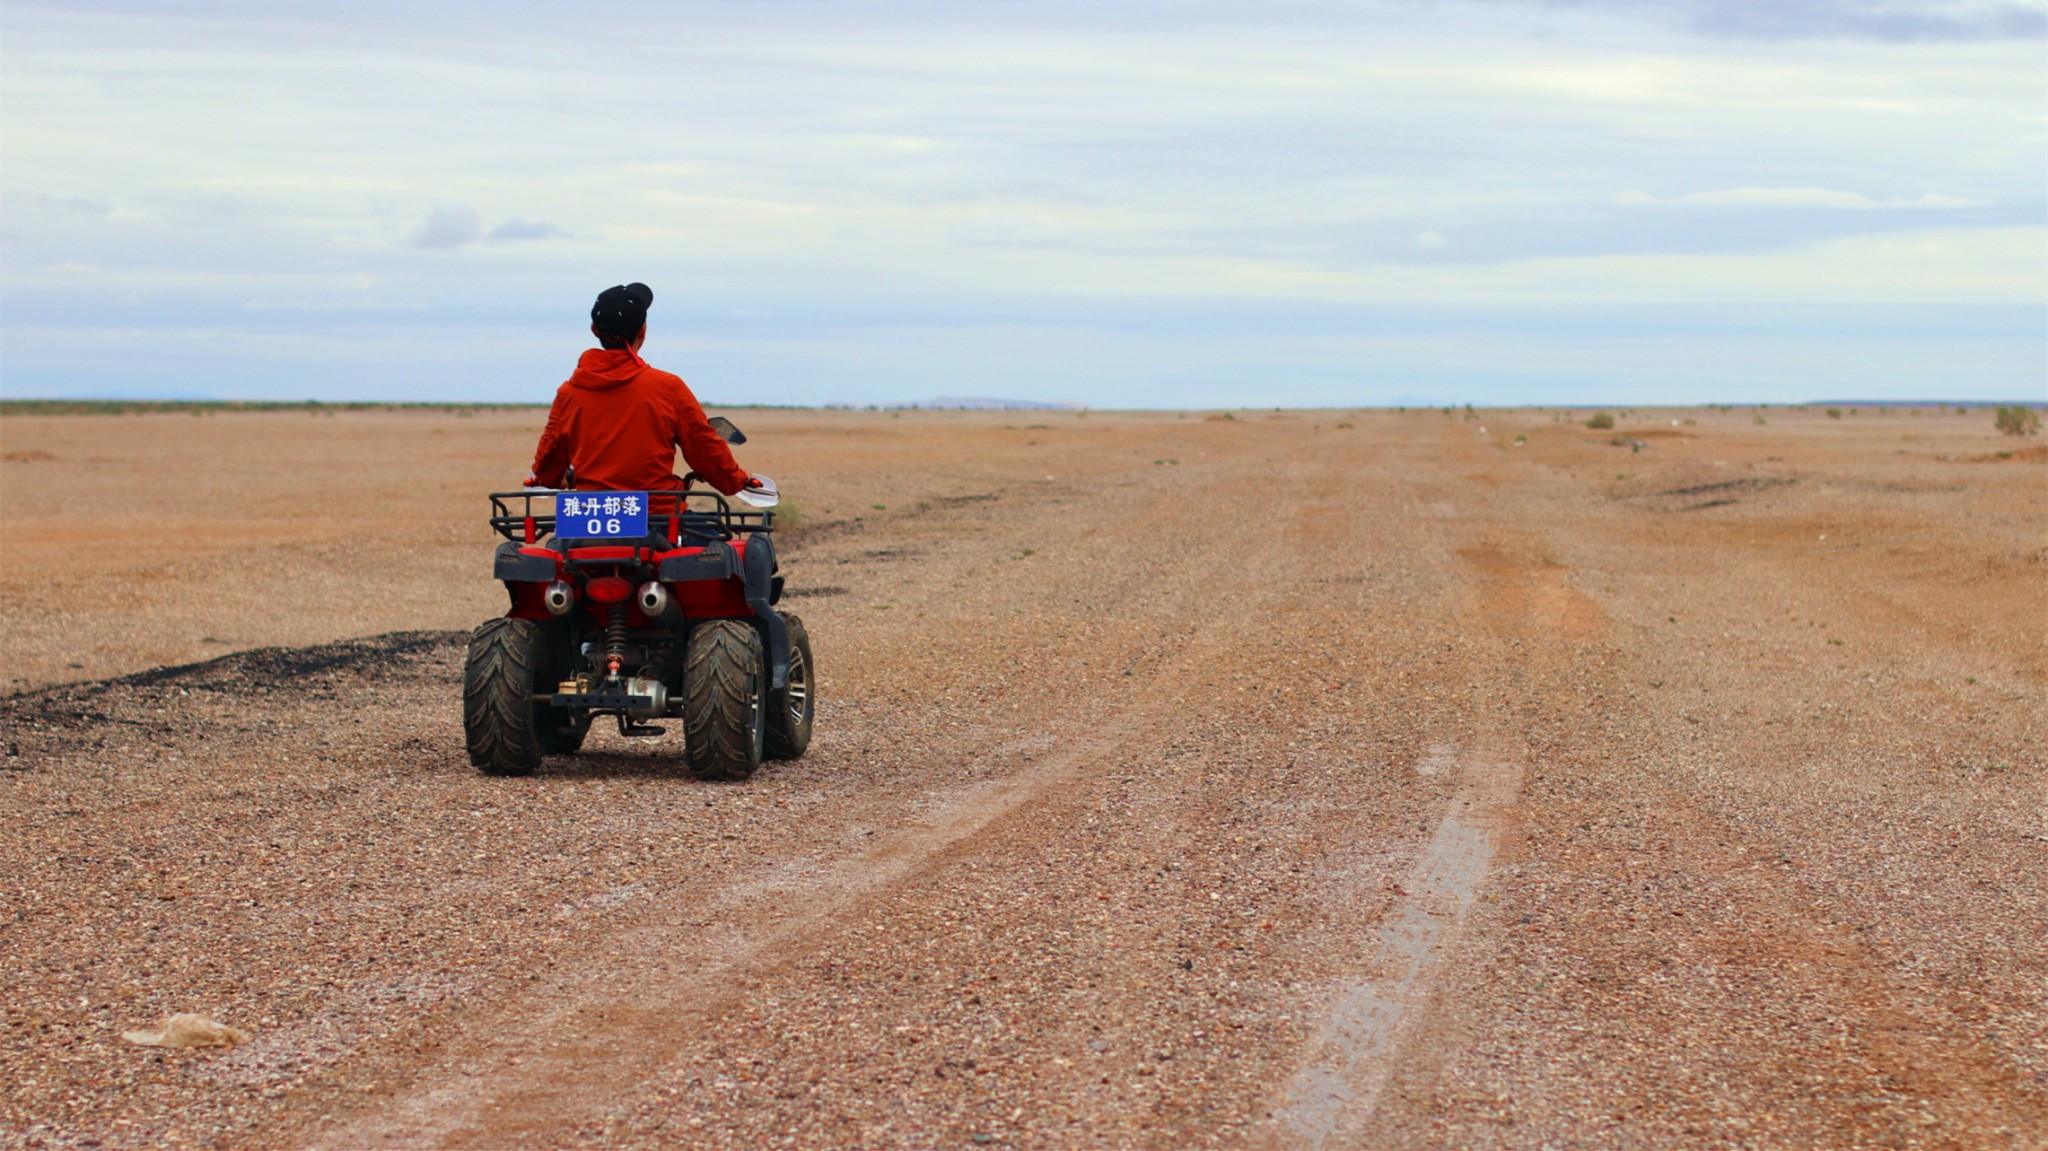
x,y
619,421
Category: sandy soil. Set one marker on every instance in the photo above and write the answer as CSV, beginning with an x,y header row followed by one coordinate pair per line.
x,y
1293,780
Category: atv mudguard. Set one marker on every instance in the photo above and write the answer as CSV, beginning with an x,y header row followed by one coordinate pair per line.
x,y
759,565
512,566
754,563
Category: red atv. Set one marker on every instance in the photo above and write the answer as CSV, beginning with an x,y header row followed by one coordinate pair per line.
x,y
638,605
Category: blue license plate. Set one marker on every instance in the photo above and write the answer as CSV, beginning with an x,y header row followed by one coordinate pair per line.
x,y
601,515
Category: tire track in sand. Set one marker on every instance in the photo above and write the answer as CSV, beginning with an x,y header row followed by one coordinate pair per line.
x,y
1351,1059
512,1084
1520,594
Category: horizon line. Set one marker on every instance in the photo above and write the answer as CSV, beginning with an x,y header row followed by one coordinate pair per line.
x,y
79,405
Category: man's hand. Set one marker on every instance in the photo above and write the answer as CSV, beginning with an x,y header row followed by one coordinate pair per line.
x,y
760,492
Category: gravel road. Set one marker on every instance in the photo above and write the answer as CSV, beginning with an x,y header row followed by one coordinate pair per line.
x,y
1321,780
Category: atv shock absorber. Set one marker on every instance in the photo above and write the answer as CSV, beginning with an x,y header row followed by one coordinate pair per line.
x,y
615,642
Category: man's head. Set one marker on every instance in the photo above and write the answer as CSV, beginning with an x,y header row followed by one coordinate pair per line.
x,y
619,318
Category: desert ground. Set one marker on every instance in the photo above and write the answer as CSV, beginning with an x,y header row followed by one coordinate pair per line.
x,y
1289,780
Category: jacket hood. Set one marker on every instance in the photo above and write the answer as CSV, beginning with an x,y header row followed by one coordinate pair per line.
x,y
602,368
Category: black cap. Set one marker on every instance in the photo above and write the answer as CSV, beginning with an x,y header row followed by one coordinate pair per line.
x,y
620,311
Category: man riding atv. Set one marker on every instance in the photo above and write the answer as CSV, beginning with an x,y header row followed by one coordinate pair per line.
x,y
655,598
616,424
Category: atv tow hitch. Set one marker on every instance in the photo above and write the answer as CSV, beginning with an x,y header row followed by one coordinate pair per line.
x,y
616,700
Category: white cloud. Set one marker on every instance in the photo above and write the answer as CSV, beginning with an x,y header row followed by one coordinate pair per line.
x,y
1933,266
518,229
447,228
1797,198
1009,229
1884,20
331,306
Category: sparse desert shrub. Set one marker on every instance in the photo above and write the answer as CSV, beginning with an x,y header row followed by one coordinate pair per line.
x,y
2018,420
1834,413
1600,422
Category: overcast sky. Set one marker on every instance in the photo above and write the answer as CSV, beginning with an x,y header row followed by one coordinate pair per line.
x,y
1130,205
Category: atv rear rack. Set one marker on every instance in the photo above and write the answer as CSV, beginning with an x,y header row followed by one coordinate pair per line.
x,y
712,518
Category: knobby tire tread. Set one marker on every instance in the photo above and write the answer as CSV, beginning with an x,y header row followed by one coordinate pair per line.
x,y
722,699
497,697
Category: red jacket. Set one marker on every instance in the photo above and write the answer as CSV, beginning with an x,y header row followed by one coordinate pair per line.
x,y
620,421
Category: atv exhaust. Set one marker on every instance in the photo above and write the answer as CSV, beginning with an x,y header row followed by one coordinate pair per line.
x,y
655,602
560,597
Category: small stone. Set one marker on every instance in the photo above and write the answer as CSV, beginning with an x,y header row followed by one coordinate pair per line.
x,y
188,1030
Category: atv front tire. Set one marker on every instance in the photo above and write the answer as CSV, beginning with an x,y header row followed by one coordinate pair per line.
x,y
724,720
791,710
498,715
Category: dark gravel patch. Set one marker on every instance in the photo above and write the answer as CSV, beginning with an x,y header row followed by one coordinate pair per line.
x,y
313,672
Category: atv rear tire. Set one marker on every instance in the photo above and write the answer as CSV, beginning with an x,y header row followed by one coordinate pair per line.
x,y
791,710
497,697
724,717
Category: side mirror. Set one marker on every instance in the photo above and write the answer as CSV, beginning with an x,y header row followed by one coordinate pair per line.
x,y
726,431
